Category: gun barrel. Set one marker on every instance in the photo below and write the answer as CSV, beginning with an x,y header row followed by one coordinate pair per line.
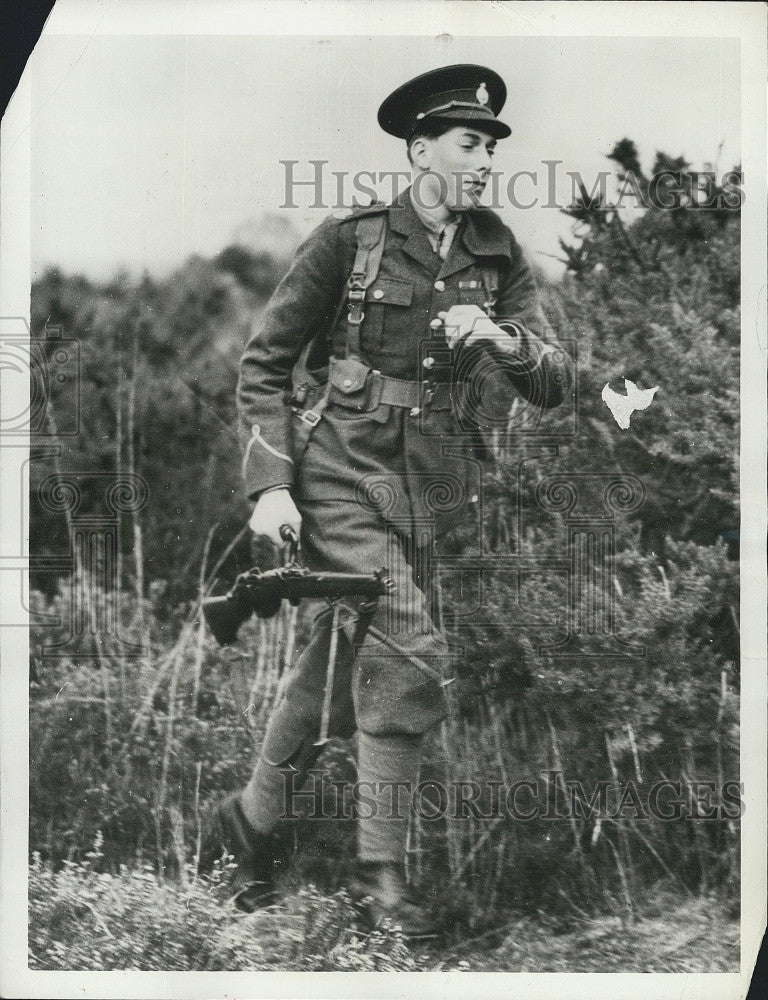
x,y
335,585
261,593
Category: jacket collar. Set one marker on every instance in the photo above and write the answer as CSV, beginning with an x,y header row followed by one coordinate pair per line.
x,y
476,237
404,221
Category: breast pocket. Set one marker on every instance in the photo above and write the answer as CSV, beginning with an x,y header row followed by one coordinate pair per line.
x,y
472,293
386,313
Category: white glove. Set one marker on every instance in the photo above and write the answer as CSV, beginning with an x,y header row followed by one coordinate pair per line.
x,y
468,324
274,509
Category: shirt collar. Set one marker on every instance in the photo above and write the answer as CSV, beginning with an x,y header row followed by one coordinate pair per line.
x,y
430,219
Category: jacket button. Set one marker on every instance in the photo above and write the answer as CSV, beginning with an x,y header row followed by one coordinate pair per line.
x,y
428,362
435,324
440,285
414,411
378,294
347,383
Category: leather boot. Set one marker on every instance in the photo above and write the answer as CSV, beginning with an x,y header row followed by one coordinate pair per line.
x,y
254,853
381,893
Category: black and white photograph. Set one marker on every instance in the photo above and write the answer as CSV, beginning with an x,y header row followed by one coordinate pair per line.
x,y
383,519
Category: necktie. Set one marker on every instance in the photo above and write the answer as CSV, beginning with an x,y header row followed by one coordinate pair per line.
x,y
443,242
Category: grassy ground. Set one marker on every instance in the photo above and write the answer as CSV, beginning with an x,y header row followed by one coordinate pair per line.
x,y
696,936
84,920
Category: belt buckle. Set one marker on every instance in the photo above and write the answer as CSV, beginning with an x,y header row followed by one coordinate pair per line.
x,y
429,392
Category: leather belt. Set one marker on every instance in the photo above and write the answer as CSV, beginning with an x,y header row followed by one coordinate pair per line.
x,y
411,395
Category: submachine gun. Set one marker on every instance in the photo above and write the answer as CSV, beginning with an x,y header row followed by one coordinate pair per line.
x,y
260,593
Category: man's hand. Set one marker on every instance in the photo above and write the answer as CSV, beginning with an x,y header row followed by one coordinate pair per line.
x,y
274,509
468,324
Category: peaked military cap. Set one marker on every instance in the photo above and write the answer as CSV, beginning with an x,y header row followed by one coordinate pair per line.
x,y
464,94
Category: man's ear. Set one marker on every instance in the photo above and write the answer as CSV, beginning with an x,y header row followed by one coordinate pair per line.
x,y
420,153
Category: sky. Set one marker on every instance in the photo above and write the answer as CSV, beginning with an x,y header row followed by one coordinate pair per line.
x,y
148,148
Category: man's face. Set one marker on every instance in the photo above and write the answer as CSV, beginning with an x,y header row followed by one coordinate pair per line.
x,y
461,160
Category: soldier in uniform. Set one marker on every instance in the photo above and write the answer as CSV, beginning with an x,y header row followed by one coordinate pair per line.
x,y
348,392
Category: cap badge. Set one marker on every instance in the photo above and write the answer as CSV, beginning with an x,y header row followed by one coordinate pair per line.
x,y
482,94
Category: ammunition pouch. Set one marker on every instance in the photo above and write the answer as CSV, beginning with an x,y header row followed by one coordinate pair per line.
x,y
353,385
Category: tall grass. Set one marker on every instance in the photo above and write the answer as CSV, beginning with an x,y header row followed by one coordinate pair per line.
x,y
138,760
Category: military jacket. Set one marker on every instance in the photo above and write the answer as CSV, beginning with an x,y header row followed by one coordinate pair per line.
x,y
399,336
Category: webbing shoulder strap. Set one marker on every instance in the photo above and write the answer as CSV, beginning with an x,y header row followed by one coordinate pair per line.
x,y
370,236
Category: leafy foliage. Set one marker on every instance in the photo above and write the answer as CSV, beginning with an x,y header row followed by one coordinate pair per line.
x,y
84,920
